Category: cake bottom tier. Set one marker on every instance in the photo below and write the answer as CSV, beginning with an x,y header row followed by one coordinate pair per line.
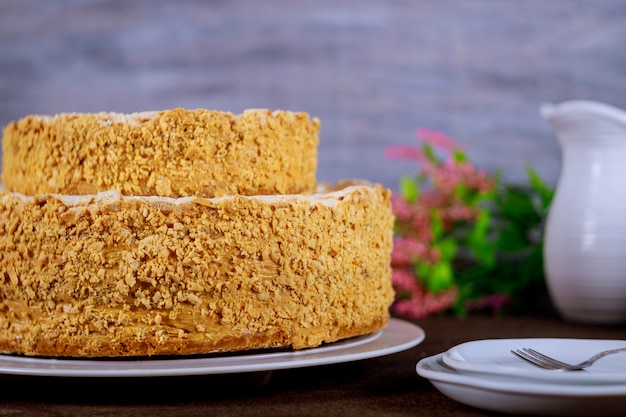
x,y
111,275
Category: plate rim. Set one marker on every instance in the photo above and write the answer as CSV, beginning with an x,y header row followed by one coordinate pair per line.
x,y
528,372
396,336
511,385
494,396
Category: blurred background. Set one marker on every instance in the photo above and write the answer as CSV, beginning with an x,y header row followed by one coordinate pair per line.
x,y
371,71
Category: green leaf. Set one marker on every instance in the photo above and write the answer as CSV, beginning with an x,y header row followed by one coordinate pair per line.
x,y
441,277
436,224
422,271
485,197
516,204
462,192
447,249
409,188
545,193
429,152
483,220
511,239
459,156
478,240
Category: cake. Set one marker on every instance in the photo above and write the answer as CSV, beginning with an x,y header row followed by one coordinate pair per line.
x,y
107,274
173,153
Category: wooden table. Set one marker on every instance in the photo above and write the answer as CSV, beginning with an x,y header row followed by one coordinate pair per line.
x,y
387,385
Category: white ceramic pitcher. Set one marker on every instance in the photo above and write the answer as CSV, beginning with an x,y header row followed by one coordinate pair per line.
x,y
585,237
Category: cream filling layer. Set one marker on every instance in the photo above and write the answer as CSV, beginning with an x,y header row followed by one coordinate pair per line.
x,y
325,195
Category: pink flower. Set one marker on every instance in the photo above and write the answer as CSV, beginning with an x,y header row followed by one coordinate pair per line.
x,y
401,208
405,152
443,171
417,302
459,213
420,225
407,250
437,139
403,279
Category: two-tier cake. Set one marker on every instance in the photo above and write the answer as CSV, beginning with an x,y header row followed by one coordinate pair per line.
x,y
183,232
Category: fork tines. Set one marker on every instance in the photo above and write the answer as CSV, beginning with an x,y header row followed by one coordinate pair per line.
x,y
538,359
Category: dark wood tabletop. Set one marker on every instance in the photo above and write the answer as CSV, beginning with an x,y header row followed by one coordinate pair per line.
x,y
387,385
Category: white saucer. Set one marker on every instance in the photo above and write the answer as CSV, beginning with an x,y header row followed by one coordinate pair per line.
x,y
397,336
518,396
494,357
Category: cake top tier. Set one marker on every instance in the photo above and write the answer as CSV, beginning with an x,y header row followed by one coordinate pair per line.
x,y
174,153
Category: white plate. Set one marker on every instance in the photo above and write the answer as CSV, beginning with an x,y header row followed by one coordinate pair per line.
x,y
493,356
524,397
397,336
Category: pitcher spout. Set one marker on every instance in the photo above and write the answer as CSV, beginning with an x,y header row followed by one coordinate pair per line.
x,y
584,119
548,110
582,108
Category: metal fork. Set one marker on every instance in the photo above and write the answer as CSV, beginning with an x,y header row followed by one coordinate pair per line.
x,y
546,362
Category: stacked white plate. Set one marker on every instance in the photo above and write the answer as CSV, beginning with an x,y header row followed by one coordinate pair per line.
x,y
485,374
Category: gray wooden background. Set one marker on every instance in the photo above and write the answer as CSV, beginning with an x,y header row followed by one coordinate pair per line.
x,y
372,71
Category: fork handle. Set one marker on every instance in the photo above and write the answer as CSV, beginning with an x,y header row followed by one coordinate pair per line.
x,y
600,355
